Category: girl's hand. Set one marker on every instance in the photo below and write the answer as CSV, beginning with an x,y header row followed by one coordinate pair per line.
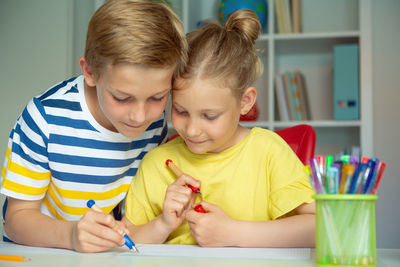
x,y
213,228
94,233
179,198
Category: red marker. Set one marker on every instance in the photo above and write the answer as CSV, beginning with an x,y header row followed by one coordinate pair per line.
x,y
379,173
178,172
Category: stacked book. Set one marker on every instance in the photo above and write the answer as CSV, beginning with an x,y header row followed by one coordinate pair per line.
x,y
288,16
291,96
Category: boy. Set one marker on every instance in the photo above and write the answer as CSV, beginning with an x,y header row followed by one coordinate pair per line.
x,y
85,137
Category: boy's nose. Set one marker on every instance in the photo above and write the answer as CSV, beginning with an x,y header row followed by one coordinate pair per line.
x,y
138,113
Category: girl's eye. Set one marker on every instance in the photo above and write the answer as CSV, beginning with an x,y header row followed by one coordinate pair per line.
x,y
179,111
210,117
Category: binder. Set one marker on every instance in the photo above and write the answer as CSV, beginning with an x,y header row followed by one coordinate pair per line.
x,y
346,91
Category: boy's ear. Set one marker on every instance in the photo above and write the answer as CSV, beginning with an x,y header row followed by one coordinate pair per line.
x,y
248,100
87,72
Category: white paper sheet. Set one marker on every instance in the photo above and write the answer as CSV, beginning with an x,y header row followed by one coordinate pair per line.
x,y
177,251
220,252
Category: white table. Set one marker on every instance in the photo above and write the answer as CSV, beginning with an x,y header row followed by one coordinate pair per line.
x,y
177,256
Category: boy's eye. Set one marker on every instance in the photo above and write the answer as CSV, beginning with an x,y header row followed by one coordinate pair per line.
x,y
121,99
158,99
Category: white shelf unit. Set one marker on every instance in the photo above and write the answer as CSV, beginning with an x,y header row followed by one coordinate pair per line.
x,y
325,23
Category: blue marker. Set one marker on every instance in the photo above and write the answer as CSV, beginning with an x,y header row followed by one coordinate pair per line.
x,y
128,242
372,164
357,178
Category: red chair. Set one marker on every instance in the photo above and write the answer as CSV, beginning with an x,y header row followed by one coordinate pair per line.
x,y
301,138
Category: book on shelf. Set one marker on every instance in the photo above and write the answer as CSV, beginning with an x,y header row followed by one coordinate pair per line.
x,y
291,97
287,19
300,81
288,16
287,96
296,15
279,16
281,99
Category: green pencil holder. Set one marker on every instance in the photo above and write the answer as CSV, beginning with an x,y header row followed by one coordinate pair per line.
x,y
345,230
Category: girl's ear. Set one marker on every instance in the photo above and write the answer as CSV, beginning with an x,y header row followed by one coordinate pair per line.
x,y
248,100
87,72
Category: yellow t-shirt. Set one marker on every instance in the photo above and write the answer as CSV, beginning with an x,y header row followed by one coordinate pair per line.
x,y
258,179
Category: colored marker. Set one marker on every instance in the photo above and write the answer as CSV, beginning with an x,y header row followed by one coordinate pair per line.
x,y
316,176
328,163
357,178
13,258
371,167
178,173
333,179
347,174
372,177
380,171
128,242
345,159
310,178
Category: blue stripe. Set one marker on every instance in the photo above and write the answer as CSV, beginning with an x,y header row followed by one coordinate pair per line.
x,y
93,162
91,179
73,89
68,122
163,134
24,139
156,124
61,103
104,145
18,150
55,88
32,125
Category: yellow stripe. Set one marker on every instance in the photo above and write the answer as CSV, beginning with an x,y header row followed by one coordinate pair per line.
x,y
8,152
24,189
18,169
79,211
3,172
4,169
52,210
73,194
67,209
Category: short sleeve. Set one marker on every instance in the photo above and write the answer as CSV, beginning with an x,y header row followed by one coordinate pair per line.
x,y
25,173
289,184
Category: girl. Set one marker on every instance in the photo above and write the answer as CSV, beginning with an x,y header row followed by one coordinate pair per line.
x,y
253,186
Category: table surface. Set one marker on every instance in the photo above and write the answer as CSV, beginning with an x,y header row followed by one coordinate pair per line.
x,y
120,257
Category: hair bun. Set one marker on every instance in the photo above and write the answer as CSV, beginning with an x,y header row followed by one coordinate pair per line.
x,y
245,22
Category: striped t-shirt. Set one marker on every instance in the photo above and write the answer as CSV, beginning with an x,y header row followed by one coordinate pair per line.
x,y
58,153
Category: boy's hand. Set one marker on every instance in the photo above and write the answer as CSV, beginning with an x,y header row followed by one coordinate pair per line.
x,y
179,198
94,233
213,228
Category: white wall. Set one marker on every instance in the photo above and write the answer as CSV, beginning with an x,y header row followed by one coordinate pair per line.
x,y
386,120
42,39
35,53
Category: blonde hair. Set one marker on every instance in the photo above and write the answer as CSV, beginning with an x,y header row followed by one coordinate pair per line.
x,y
226,54
138,32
